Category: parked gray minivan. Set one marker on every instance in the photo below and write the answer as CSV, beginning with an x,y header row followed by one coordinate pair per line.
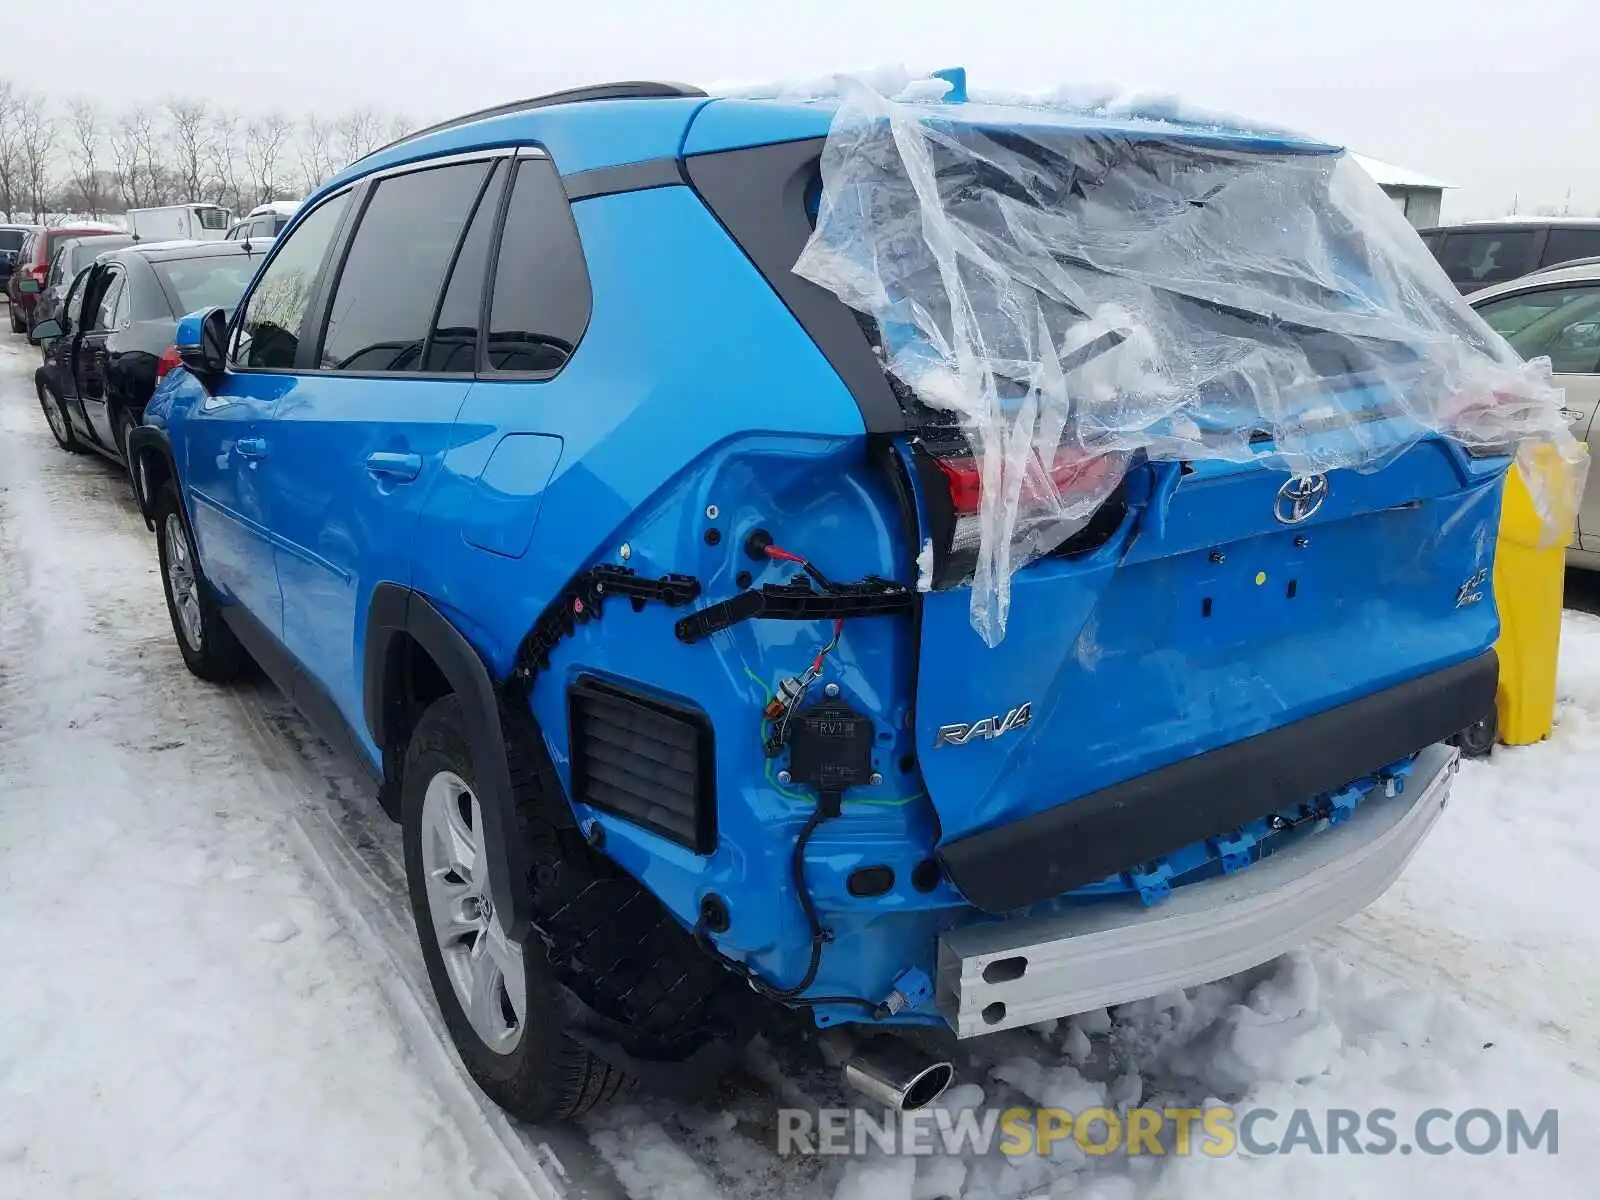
x,y
1476,254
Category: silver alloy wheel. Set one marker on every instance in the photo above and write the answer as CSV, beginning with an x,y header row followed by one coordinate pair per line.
x,y
485,968
181,579
53,414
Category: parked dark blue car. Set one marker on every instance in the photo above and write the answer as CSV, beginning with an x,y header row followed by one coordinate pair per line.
x,y
602,540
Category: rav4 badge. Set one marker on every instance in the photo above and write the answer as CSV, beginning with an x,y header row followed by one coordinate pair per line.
x,y
987,729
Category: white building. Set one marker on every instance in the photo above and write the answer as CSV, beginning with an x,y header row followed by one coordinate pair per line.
x,y
1417,195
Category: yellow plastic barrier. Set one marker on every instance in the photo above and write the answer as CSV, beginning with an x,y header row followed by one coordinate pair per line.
x,y
1528,577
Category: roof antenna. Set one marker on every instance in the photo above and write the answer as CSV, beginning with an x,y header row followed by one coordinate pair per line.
x,y
956,77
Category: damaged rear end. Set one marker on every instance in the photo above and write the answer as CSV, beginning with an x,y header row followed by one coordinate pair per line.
x,y
1200,458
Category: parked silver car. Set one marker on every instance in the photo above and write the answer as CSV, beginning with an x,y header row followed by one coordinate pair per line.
x,y
1556,312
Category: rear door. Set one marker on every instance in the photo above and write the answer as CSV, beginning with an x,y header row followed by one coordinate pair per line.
x,y
1563,325
358,443
108,312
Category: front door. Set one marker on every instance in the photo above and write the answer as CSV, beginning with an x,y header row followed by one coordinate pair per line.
x,y
357,444
1561,323
232,464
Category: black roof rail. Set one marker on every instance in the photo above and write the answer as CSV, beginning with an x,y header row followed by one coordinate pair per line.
x,y
630,90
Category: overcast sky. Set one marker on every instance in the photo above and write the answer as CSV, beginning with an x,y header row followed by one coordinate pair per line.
x,y
1500,98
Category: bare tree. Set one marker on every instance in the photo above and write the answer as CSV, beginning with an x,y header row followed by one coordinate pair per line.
x,y
36,140
266,139
136,155
399,127
224,162
316,152
83,121
358,134
10,153
188,128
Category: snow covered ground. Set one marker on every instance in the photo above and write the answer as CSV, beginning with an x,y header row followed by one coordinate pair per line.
x,y
210,986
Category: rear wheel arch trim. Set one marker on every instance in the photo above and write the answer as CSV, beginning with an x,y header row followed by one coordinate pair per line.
x,y
397,610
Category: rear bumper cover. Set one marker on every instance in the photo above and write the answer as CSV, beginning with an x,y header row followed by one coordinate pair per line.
x,y
1020,864
1113,952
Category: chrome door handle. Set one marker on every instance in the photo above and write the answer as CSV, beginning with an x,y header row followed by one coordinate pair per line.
x,y
251,447
394,464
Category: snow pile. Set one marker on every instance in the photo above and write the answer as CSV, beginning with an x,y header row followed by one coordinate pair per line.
x,y
183,1013
1308,1032
1069,300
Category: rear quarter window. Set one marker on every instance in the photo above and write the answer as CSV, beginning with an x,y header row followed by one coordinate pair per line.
x,y
541,297
1564,245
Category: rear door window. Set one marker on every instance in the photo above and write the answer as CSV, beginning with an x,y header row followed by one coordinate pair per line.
x,y
75,296
1484,256
1565,244
269,334
384,301
454,344
110,296
541,300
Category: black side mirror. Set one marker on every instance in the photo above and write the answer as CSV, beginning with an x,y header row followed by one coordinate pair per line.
x,y
202,341
45,331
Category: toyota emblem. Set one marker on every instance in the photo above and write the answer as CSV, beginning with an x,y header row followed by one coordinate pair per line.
x,y
1299,498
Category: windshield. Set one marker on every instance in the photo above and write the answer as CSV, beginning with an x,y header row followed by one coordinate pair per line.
x,y
213,218
81,254
215,282
11,239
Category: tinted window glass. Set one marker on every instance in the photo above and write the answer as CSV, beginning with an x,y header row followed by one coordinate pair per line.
x,y
269,335
105,311
1564,244
75,300
12,239
215,282
1487,256
386,293
213,218
1567,331
454,345
124,308
1509,315
541,286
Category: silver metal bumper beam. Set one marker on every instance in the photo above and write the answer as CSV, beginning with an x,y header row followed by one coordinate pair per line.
x,y
1001,974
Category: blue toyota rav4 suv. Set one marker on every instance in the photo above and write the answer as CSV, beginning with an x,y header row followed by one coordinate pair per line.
x,y
607,544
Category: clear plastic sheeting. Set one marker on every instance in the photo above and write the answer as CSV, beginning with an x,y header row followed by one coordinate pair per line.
x,y
1073,290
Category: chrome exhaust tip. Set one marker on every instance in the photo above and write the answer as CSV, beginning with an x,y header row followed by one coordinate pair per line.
x,y
895,1076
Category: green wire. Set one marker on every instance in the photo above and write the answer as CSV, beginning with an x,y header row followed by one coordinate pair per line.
x,y
803,797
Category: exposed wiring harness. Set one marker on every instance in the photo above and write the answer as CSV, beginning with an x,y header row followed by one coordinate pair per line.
x,y
790,694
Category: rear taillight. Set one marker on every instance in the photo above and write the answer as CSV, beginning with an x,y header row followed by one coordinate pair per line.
x,y
39,272
1072,471
955,516
168,360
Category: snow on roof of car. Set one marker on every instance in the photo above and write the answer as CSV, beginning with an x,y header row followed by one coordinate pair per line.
x,y
1388,175
281,208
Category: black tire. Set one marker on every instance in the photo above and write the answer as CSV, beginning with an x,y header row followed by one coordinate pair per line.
x,y
214,654
545,1075
121,426
1478,739
16,325
60,427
